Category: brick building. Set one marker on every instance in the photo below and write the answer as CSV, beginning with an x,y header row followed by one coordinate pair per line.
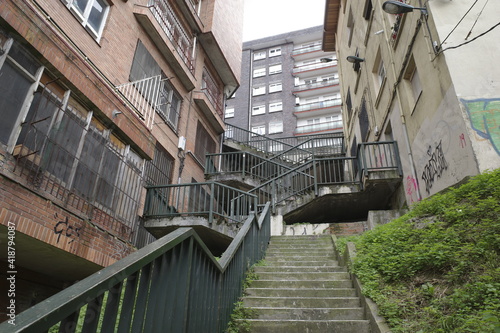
x,y
286,89
99,99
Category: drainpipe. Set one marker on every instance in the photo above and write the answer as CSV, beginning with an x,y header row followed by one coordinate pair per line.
x,y
250,82
403,120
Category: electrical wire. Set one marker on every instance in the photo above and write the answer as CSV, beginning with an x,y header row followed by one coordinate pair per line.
x,y
458,23
477,18
473,39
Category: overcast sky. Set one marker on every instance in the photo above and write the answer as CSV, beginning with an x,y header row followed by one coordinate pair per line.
x,y
264,18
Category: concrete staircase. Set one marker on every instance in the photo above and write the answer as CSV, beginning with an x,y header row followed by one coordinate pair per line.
x,y
301,288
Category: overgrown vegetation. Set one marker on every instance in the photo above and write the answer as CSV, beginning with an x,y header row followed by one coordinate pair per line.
x,y
437,268
239,318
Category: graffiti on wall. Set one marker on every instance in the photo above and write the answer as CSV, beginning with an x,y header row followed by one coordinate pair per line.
x,y
67,230
434,167
484,115
412,189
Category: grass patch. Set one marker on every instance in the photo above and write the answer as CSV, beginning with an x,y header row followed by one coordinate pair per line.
x,y
437,268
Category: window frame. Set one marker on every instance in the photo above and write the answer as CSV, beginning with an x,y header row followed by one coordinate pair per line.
x,y
276,106
275,87
275,127
258,90
259,55
83,18
278,69
258,110
274,52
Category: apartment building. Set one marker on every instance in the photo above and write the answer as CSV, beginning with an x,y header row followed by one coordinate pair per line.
x,y
289,87
420,74
99,99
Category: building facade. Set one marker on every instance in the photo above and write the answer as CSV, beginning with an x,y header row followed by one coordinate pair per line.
x,y
286,89
98,100
421,78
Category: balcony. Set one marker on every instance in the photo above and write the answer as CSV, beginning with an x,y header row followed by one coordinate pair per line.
x,y
191,11
209,99
319,127
303,88
307,49
318,68
317,108
161,24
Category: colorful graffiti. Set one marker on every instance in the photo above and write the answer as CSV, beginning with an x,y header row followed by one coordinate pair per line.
x,y
484,115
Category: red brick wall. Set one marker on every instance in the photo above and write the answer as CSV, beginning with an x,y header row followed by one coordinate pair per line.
x,y
40,218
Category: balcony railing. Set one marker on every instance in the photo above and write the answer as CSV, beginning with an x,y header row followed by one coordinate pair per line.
x,y
306,49
142,96
245,164
324,126
211,200
174,31
213,93
172,285
332,143
311,67
318,105
316,85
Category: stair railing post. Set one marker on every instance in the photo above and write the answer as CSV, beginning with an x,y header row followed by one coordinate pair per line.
x,y
315,177
211,211
244,165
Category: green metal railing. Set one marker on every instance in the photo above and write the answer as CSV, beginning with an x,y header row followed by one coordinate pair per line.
x,y
330,143
210,200
244,164
172,285
287,182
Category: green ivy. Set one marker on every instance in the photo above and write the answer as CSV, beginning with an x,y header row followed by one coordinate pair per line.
x,y
436,269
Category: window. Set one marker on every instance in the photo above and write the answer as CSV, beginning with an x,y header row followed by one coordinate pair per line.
x,y
275,52
229,112
412,82
260,129
379,73
169,105
367,12
16,79
259,72
275,127
276,106
364,123
204,143
69,149
260,90
275,69
259,55
91,14
274,87
350,27
348,102
260,109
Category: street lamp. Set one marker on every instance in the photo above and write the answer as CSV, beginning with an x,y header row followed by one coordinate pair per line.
x,y
354,59
396,7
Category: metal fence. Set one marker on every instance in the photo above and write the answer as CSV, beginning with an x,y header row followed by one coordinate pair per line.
x,y
211,200
172,285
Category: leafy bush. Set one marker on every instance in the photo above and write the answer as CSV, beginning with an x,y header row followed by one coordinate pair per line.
x,y
437,268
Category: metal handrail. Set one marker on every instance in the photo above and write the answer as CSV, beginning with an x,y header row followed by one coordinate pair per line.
x,y
210,199
175,277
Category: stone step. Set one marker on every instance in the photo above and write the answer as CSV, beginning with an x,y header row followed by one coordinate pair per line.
x,y
300,257
304,292
294,276
293,251
283,269
302,302
301,284
283,262
297,313
302,326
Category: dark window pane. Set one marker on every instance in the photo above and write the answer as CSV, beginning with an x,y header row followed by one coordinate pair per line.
x,y
13,89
